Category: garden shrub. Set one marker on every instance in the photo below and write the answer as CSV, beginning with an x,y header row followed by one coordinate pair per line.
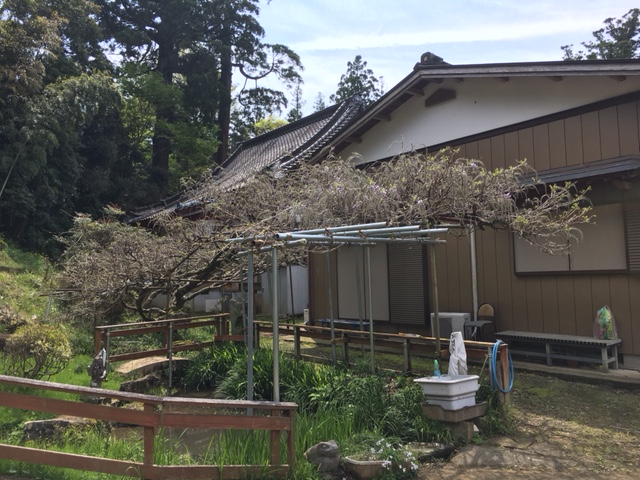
x,y
37,352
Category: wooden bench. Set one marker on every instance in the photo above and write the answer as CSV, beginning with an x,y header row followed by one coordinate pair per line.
x,y
566,347
342,324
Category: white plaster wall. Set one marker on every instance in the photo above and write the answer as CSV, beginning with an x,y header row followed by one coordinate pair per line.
x,y
481,104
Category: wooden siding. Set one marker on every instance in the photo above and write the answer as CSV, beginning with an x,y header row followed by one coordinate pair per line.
x,y
549,303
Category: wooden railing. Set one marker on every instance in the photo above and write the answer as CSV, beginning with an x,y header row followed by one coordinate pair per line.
x,y
407,345
156,413
104,334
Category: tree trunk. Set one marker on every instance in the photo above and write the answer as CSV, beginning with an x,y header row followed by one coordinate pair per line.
x,y
224,115
161,138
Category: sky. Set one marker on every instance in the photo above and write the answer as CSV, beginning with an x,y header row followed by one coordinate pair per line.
x,y
391,35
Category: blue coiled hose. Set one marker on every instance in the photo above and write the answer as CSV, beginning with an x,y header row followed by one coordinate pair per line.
x,y
494,377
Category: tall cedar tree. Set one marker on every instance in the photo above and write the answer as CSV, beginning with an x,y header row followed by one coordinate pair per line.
x,y
358,80
162,35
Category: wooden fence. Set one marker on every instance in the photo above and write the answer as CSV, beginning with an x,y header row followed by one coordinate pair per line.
x,y
407,345
155,413
104,334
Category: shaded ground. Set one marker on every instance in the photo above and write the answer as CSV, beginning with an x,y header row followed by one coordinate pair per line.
x,y
562,430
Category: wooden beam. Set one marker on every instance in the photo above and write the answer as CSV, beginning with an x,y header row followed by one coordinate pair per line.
x,y
354,140
458,80
416,92
618,78
382,118
556,78
502,79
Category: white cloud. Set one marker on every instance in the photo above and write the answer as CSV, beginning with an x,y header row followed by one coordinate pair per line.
x,y
391,36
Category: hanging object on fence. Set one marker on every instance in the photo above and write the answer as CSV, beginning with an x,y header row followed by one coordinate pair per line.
x,y
458,355
604,326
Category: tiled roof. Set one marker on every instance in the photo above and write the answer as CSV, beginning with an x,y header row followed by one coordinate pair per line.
x,y
303,140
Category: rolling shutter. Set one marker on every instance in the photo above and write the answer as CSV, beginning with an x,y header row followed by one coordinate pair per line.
x,y
632,221
407,283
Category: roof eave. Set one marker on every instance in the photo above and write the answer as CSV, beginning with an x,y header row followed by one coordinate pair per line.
x,y
422,75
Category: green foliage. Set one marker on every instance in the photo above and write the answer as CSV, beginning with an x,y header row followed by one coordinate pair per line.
x,y
265,125
21,284
364,402
619,38
209,366
62,146
358,80
234,385
403,417
37,351
191,50
499,418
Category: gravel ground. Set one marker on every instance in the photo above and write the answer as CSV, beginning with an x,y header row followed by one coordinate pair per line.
x,y
562,430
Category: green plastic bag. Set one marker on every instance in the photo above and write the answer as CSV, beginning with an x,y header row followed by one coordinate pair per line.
x,y
604,326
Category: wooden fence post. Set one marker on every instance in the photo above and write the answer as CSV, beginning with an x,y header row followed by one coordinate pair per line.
x,y
148,441
345,349
275,441
296,343
407,355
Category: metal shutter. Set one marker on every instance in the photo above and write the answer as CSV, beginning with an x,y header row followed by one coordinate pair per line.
x,y
632,221
407,268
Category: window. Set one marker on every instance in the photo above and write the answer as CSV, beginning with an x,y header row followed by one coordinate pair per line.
x,y
602,248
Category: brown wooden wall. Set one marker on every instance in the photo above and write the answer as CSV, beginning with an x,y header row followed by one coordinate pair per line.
x,y
549,303
605,133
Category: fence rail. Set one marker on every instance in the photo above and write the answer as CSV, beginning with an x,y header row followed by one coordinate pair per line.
x,y
103,334
157,413
407,345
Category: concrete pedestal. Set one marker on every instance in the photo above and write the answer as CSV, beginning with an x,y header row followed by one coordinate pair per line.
x,y
457,421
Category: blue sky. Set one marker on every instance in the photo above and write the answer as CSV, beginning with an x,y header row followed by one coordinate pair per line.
x,y
391,36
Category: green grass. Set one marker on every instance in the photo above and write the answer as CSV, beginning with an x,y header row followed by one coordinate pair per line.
x,y
22,292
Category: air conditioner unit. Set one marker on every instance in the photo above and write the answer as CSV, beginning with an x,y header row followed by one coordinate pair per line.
x,y
450,322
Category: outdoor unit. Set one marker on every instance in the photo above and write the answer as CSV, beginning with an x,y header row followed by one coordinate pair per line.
x,y
450,322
